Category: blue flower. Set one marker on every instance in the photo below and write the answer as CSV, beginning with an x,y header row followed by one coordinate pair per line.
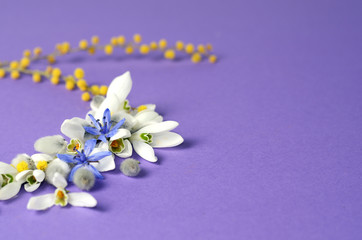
x,y
83,159
104,131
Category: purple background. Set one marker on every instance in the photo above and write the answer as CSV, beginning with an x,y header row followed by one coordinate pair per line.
x,y
273,142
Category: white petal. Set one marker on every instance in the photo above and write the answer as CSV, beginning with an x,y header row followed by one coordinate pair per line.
x,y
9,190
82,199
112,103
41,202
144,150
127,151
166,139
73,129
159,127
145,118
59,181
121,133
41,157
130,120
39,175
103,146
96,102
51,144
151,106
21,176
120,86
105,164
7,169
31,188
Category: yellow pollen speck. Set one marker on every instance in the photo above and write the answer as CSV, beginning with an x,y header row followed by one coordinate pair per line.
x,y
21,166
79,73
83,44
141,108
42,165
121,40
162,43
95,40
15,74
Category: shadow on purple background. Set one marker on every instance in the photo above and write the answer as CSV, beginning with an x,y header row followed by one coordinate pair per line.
x,y
273,131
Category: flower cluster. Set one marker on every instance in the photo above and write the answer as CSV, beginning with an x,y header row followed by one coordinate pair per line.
x,y
111,129
76,80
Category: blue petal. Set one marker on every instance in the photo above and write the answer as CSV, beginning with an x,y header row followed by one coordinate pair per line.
x,y
94,121
96,173
92,130
89,146
67,158
99,156
74,169
107,119
112,133
119,124
102,138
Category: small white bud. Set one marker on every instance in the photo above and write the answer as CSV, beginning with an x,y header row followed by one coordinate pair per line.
x,y
84,179
130,167
56,166
51,145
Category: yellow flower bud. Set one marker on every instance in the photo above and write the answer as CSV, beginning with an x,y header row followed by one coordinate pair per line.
x,y
108,49
86,96
2,73
27,53
196,57
103,90
144,49
153,45
82,85
83,44
56,72
137,38
162,43
79,73
121,40
129,50
189,48
95,90
169,54
179,45
15,74
24,62
212,59
95,40
37,51
14,65
55,80
36,77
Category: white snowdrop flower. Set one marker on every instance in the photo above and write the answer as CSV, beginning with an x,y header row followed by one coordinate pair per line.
x,y
56,166
33,179
61,197
84,179
9,186
130,167
51,145
157,135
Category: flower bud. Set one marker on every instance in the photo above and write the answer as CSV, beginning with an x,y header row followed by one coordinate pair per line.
x,y
130,167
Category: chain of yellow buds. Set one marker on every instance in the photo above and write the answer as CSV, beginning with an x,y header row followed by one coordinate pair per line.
x,y
16,68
